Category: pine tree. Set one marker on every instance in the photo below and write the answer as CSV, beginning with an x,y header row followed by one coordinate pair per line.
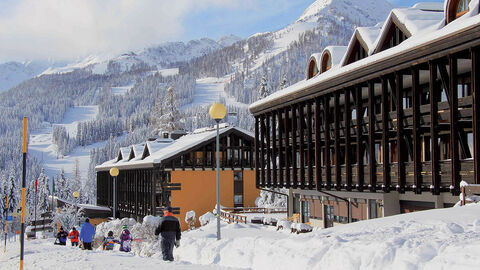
x,y
43,192
263,91
63,187
170,118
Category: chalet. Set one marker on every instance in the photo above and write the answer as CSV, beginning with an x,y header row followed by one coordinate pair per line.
x,y
181,173
392,126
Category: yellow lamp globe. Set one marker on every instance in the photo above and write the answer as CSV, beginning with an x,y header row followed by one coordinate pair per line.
x,y
217,111
114,171
76,194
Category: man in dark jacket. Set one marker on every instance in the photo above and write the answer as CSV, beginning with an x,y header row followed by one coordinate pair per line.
x,y
62,237
169,230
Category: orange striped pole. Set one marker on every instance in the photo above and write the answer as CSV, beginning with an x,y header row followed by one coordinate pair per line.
x,y
22,234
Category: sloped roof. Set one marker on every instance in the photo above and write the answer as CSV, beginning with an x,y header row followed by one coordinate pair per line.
x,y
162,151
366,36
420,39
412,21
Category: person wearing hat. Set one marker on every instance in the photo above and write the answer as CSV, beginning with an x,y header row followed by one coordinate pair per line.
x,y
86,234
170,233
125,239
62,237
73,236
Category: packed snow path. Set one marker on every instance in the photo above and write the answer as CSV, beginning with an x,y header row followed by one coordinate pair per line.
x,y
210,90
41,146
43,254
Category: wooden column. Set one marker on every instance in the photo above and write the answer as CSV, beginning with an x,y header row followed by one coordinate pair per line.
x,y
301,120
269,152
274,148
262,149
280,149
476,113
318,146
326,116
359,129
455,182
434,98
385,136
400,133
294,146
338,167
287,149
417,147
348,139
371,136
310,155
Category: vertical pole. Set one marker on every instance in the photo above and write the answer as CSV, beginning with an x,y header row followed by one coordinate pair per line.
x,y
385,138
336,146
24,170
359,128
348,140
257,154
280,149
6,226
400,139
454,149
287,149
218,179
371,136
416,132
269,151
326,111
294,146
435,166
476,114
310,155
114,197
318,150
274,149
301,151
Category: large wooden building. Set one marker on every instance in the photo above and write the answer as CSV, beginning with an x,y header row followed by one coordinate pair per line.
x,y
392,125
181,174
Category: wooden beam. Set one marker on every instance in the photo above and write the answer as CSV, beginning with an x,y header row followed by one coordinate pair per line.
x,y
262,147
453,65
287,149
269,152
417,147
385,136
301,120
336,116
309,146
371,136
400,133
326,116
281,148
348,139
476,112
358,96
318,150
294,146
274,148
435,149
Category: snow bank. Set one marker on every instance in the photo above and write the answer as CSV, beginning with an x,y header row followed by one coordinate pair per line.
x,y
189,215
435,239
206,218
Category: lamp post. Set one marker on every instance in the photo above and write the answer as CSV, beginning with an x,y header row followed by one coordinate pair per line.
x,y
76,194
114,173
217,112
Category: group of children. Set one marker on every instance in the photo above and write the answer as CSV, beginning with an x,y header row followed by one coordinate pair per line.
x,y
108,242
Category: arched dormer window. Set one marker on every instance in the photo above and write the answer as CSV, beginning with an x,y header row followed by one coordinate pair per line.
x,y
326,62
456,9
312,69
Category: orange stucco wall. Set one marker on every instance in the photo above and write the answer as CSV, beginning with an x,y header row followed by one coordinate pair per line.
x,y
198,191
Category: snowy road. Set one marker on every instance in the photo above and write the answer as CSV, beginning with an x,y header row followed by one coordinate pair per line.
x,y
42,254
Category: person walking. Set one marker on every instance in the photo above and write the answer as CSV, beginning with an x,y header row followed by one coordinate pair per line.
x,y
170,233
86,234
125,239
73,236
62,237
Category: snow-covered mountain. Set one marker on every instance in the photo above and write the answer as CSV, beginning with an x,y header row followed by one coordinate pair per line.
x,y
228,40
13,73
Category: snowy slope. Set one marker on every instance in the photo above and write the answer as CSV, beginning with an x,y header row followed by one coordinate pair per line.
x,y
41,146
13,73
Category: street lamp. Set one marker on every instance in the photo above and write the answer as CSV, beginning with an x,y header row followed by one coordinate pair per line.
x,y
114,172
217,112
76,194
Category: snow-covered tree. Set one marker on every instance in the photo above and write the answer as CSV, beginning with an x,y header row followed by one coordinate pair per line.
x,y
68,217
263,90
170,118
63,187
43,192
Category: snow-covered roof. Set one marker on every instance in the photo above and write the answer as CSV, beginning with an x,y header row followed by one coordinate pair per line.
x,y
418,40
123,154
336,54
366,36
432,6
162,149
412,21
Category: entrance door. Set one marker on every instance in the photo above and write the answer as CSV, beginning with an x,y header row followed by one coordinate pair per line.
x,y
238,189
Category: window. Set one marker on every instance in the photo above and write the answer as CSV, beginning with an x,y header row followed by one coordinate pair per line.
x,y
312,69
456,9
326,62
238,189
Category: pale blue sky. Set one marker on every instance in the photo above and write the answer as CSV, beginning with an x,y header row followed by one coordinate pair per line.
x,y
73,29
